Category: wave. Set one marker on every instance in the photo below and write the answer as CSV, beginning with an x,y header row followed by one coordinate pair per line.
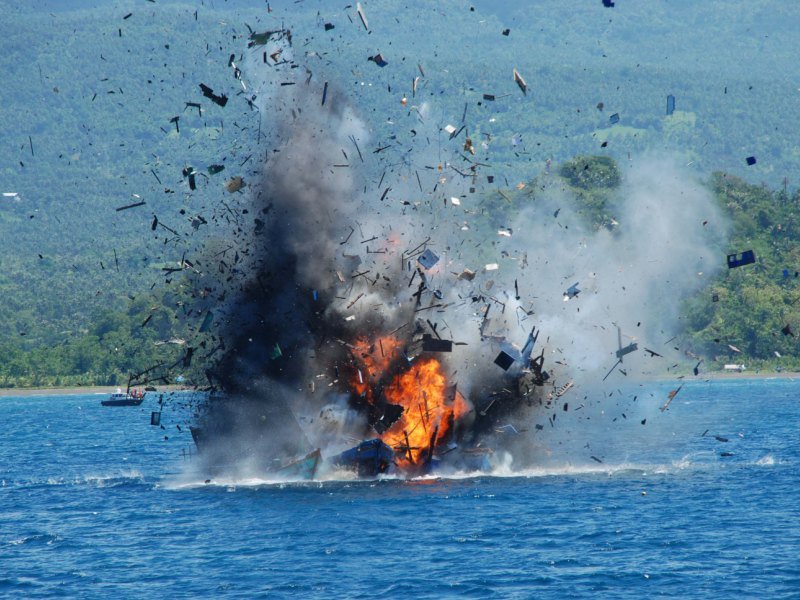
x,y
126,478
42,539
766,461
193,480
503,468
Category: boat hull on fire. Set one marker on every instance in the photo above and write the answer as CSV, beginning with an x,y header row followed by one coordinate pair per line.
x,y
369,459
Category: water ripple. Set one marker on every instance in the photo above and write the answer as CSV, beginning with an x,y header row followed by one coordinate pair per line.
x,y
89,514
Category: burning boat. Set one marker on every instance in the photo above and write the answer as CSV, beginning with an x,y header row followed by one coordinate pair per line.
x,y
411,420
368,459
344,304
333,327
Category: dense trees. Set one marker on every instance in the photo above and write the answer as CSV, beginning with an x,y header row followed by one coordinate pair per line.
x,y
757,308
86,124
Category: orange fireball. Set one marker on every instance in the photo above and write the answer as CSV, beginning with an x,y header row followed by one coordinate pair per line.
x,y
421,390
372,360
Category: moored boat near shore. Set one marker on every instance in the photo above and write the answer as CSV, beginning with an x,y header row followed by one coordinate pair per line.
x,y
132,397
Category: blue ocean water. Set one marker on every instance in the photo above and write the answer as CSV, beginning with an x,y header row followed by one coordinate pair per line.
x,y
96,503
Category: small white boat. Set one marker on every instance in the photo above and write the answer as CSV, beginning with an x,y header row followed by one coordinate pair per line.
x,y
119,398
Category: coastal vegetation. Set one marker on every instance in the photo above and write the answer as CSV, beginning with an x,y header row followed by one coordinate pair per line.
x,y
100,118
748,315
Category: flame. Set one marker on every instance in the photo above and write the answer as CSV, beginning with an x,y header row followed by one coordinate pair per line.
x,y
427,416
429,412
460,406
372,359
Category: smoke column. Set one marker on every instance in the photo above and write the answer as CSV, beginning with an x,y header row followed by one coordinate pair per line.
x,y
324,264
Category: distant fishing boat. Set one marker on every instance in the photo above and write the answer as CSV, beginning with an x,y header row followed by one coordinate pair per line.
x,y
132,397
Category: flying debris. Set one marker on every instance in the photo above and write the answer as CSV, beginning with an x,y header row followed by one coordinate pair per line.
x,y
432,344
234,184
221,99
361,15
564,389
428,259
571,292
504,360
134,205
632,347
467,274
196,105
747,257
190,174
261,39
520,82
527,349
378,60
622,352
670,398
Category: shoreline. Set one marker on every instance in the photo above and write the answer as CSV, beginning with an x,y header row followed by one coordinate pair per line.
x,y
89,390
107,390
723,376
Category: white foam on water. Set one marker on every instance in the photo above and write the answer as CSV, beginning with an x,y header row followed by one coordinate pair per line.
x,y
766,461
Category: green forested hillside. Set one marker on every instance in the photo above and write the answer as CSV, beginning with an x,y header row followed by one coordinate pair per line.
x,y
756,308
87,125
87,130
753,309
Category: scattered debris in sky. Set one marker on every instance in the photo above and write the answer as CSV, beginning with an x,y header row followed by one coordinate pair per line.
x,y
382,260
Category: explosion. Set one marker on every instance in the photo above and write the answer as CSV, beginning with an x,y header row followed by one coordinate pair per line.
x,y
323,279
420,391
357,326
416,398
